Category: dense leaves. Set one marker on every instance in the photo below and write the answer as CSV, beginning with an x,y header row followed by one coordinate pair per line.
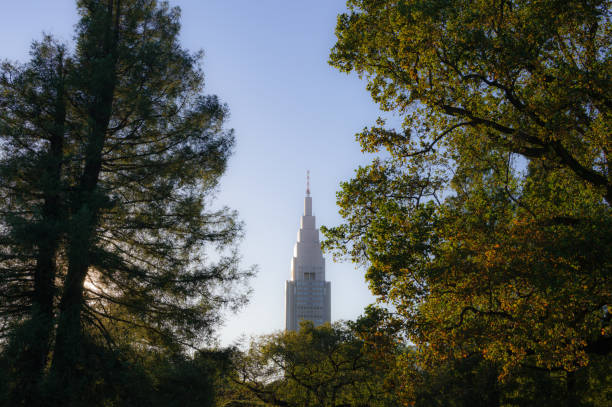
x,y
111,155
317,366
485,229
488,226
532,77
367,363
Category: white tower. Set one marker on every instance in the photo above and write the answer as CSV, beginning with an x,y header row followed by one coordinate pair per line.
x,y
307,294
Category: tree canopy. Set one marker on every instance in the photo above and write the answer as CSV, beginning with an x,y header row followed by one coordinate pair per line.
x,y
532,77
487,224
111,157
329,365
484,220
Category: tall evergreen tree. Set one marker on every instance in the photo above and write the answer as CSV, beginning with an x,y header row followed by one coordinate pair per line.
x,y
113,156
32,125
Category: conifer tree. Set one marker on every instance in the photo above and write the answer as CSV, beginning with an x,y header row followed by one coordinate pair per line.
x,y
32,125
112,157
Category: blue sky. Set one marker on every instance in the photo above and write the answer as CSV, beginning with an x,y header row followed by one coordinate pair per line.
x,y
291,111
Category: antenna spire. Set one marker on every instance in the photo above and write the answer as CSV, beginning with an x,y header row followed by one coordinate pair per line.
x,y
308,182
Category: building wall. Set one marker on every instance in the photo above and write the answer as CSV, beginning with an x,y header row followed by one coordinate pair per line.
x,y
307,294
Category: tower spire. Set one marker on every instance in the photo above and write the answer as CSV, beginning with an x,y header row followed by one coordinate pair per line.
x,y
307,294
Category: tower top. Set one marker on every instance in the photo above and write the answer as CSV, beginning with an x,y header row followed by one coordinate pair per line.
x,y
307,182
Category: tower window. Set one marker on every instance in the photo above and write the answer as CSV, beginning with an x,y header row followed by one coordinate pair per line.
x,y
309,276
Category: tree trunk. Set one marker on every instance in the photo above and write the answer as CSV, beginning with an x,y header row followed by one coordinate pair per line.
x,y
88,200
571,396
34,353
46,268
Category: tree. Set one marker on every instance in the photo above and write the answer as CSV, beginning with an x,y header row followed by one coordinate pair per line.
x,y
478,275
531,77
316,366
33,123
111,155
487,225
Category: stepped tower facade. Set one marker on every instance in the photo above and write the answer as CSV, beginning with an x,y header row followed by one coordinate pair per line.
x,y
307,294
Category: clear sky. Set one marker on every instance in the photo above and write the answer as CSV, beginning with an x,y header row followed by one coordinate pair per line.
x,y
267,59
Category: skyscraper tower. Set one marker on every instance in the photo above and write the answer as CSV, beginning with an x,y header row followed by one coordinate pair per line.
x,y
307,294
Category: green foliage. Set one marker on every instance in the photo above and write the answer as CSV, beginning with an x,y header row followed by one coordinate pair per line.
x,y
323,366
488,226
472,381
532,77
463,382
111,155
366,363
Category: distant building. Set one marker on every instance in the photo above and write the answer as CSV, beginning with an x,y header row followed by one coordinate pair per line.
x,y
307,294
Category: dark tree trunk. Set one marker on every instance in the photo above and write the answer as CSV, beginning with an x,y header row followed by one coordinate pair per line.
x,y
88,200
34,354
46,268
571,395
